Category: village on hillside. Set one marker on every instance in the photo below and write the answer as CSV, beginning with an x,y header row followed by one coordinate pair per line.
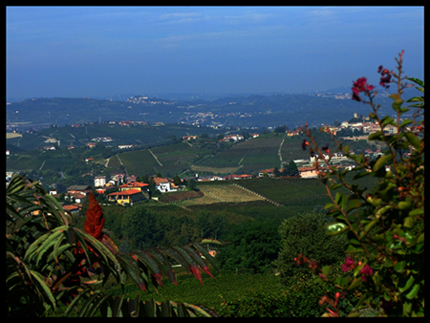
x,y
126,190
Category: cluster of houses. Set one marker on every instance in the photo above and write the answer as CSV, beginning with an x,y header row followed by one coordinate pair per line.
x,y
365,125
127,193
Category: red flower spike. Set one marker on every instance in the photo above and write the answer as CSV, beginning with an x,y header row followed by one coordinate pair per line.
x,y
94,221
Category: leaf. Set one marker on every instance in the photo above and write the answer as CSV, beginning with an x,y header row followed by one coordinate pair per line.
x,y
198,259
414,291
164,263
175,255
405,284
409,222
353,204
416,99
416,212
413,140
75,301
131,267
397,104
185,255
400,266
356,282
386,121
394,96
378,135
207,256
41,282
416,80
148,261
381,162
353,249
109,244
360,175
405,123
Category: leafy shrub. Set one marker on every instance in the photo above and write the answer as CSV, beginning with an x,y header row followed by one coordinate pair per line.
x,y
252,245
306,234
298,301
385,263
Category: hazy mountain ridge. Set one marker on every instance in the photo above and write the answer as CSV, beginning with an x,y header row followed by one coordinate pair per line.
x,y
243,111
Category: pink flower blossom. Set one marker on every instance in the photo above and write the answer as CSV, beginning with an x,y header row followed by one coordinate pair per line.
x,y
366,271
359,86
348,265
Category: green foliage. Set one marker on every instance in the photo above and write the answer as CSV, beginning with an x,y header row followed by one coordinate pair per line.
x,y
385,267
306,234
138,225
55,269
252,245
297,301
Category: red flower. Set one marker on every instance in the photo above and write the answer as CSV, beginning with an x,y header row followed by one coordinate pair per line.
x,y
359,86
366,271
385,77
304,144
326,149
94,221
348,265
313,264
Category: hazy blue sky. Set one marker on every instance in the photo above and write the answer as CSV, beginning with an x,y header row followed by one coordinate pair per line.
x,y
102,51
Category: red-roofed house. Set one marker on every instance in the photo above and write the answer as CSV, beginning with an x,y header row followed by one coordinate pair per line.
x,y
79,197
128,196
164,185
266,171
71,208
133,185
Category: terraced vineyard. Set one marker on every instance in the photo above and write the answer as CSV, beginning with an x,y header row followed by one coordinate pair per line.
x,y
223,194
252,155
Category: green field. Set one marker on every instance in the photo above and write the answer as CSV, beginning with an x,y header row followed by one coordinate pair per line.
x,y
172,160
251,155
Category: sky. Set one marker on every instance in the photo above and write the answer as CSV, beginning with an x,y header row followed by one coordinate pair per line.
x,y
105,51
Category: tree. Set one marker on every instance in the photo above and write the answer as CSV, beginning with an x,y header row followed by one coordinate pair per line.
x,y
292,168
306,234
177,180
252,245
192,184
276,172
138,225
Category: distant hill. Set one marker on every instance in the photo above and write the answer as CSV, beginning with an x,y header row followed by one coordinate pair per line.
x,y
251,111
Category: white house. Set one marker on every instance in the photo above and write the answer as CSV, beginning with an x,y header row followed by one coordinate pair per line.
x,y
99,181
125,146
164,185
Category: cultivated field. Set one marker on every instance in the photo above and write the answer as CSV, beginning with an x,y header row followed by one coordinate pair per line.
x,y
252,155
10,135
215,170
223,194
